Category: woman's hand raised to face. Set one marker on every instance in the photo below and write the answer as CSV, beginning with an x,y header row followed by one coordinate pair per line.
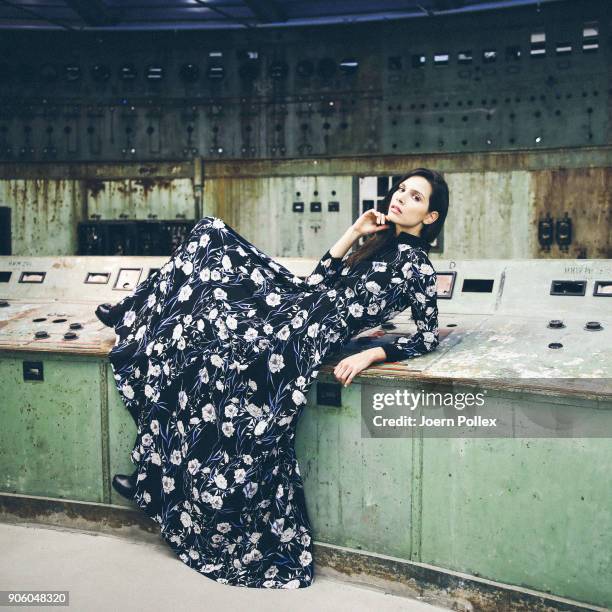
x,y
371,221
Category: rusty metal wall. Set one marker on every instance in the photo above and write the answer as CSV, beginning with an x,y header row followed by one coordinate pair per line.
x,y
297,216
44,214
496,200
140,198
586,195
48,200
513,106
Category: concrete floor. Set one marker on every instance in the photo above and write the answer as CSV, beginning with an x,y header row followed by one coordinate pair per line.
x,y
104,572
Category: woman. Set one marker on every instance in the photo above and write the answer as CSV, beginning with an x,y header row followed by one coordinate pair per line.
x,y
215,354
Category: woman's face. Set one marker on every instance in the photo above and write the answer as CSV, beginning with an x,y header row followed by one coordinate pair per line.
x,y
409,204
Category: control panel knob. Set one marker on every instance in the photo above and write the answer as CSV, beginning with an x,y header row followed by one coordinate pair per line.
x,y
556,324
593,326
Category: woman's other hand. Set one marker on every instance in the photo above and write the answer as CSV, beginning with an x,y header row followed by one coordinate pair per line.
x,y
371,221
349,367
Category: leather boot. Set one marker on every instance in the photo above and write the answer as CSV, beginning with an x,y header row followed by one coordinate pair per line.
x,y
107,313
125,485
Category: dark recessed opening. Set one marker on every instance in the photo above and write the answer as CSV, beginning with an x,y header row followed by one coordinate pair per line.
x,y
477,285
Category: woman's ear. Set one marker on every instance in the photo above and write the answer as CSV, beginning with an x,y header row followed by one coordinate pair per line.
x,y
432,216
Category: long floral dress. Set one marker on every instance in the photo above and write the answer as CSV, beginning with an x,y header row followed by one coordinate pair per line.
x,y
213,357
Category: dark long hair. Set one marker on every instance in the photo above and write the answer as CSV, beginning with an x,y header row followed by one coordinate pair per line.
x,y
438,201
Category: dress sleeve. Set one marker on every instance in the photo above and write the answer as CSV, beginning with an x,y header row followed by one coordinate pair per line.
x,y
326,271
422,292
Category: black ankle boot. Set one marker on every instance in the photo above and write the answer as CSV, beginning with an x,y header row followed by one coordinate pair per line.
x,y
107,313
125,485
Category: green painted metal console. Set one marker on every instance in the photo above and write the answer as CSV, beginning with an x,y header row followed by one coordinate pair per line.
x,y
534,512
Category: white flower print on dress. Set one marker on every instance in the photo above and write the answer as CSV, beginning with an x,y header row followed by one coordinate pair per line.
x,y
217,361
168,484
220,481
373,287
356,310
231,411
193,466
128,318
273,299
208,413
276,363
127,391
283,333
185,293
313,330
177,331
298,397
220,294
154,369
226,262
260,428
254,410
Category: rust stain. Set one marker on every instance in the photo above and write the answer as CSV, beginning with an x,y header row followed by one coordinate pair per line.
x,y
149,184
63,263
148,170
95,186
582,193
25,314
433,585
79,515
